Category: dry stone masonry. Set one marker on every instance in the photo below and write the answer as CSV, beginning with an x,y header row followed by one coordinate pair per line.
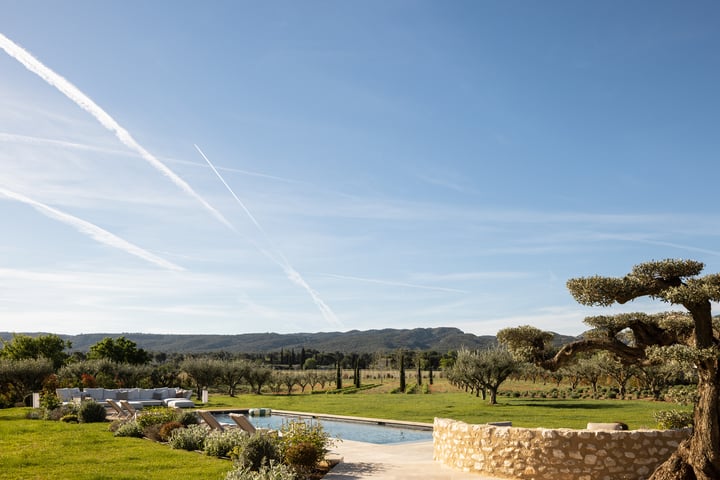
x,y
544,454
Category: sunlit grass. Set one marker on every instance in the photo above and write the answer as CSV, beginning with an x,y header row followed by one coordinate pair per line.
x,y
39,449
523,412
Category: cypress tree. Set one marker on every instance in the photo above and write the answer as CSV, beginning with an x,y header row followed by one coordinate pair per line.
x,y
338,375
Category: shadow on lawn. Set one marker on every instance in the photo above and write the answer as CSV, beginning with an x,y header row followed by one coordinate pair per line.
x,y
570,405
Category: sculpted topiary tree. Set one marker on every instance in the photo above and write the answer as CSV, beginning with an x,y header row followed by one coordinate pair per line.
x,y
638,338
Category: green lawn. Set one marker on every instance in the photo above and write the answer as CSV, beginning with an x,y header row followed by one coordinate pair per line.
x,y
39,449
459,406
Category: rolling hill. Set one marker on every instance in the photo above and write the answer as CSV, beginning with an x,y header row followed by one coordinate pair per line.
x,y
440,339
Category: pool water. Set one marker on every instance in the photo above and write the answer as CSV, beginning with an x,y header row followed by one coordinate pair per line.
x,y
344,430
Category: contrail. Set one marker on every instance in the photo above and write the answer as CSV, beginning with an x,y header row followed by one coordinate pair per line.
x,y
292,274
84,102
230,190
99,234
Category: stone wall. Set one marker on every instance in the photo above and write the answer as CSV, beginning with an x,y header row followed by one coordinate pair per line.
x,y
543,454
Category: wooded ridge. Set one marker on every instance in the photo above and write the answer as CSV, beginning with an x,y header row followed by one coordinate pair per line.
x,y
441,339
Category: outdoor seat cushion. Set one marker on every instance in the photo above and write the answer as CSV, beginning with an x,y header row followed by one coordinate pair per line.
x,y
179,403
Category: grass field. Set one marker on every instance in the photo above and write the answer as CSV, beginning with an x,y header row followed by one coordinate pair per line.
x,y
38,449
424,408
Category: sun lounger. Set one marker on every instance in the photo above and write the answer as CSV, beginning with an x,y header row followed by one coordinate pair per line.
x,y
129,408
242,422
209,420
119,411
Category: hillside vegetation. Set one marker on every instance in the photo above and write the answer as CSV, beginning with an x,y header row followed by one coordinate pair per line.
x,y
442,339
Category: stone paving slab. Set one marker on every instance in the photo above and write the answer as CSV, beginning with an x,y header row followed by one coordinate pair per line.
x,y
392,462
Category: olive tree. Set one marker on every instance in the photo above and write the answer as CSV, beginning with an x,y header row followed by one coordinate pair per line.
x,y
483,370
644,339
19,378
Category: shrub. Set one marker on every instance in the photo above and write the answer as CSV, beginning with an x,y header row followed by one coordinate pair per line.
x,y
129,429
257,450
190,438
673,419
220,444
91,412
303,456
155,416
49,401
271,471
303,444
35,414
682,394
186,418
153,432
69,418
167,428
61,411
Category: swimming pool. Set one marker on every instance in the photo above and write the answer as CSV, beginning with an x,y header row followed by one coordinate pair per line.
x,y
344,429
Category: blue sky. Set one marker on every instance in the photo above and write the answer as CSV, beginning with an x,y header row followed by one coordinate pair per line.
x,y
234,167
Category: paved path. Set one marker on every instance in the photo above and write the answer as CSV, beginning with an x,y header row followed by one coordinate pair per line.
x,y
392,462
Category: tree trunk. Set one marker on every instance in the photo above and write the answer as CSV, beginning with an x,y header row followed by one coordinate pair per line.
x,y
698,457
493,395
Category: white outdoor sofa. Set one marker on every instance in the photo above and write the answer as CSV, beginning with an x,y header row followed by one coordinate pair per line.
x,y
137,397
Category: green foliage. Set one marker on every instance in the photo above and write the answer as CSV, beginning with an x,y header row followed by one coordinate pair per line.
x,y
130,429
49,401
19,378
673,419
191,438
186,417
119,350
303,444
220,444
527,343
271,471
155,416
303,456
69,418
91,412
204,371
483,370
682,394
23,347
257,449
